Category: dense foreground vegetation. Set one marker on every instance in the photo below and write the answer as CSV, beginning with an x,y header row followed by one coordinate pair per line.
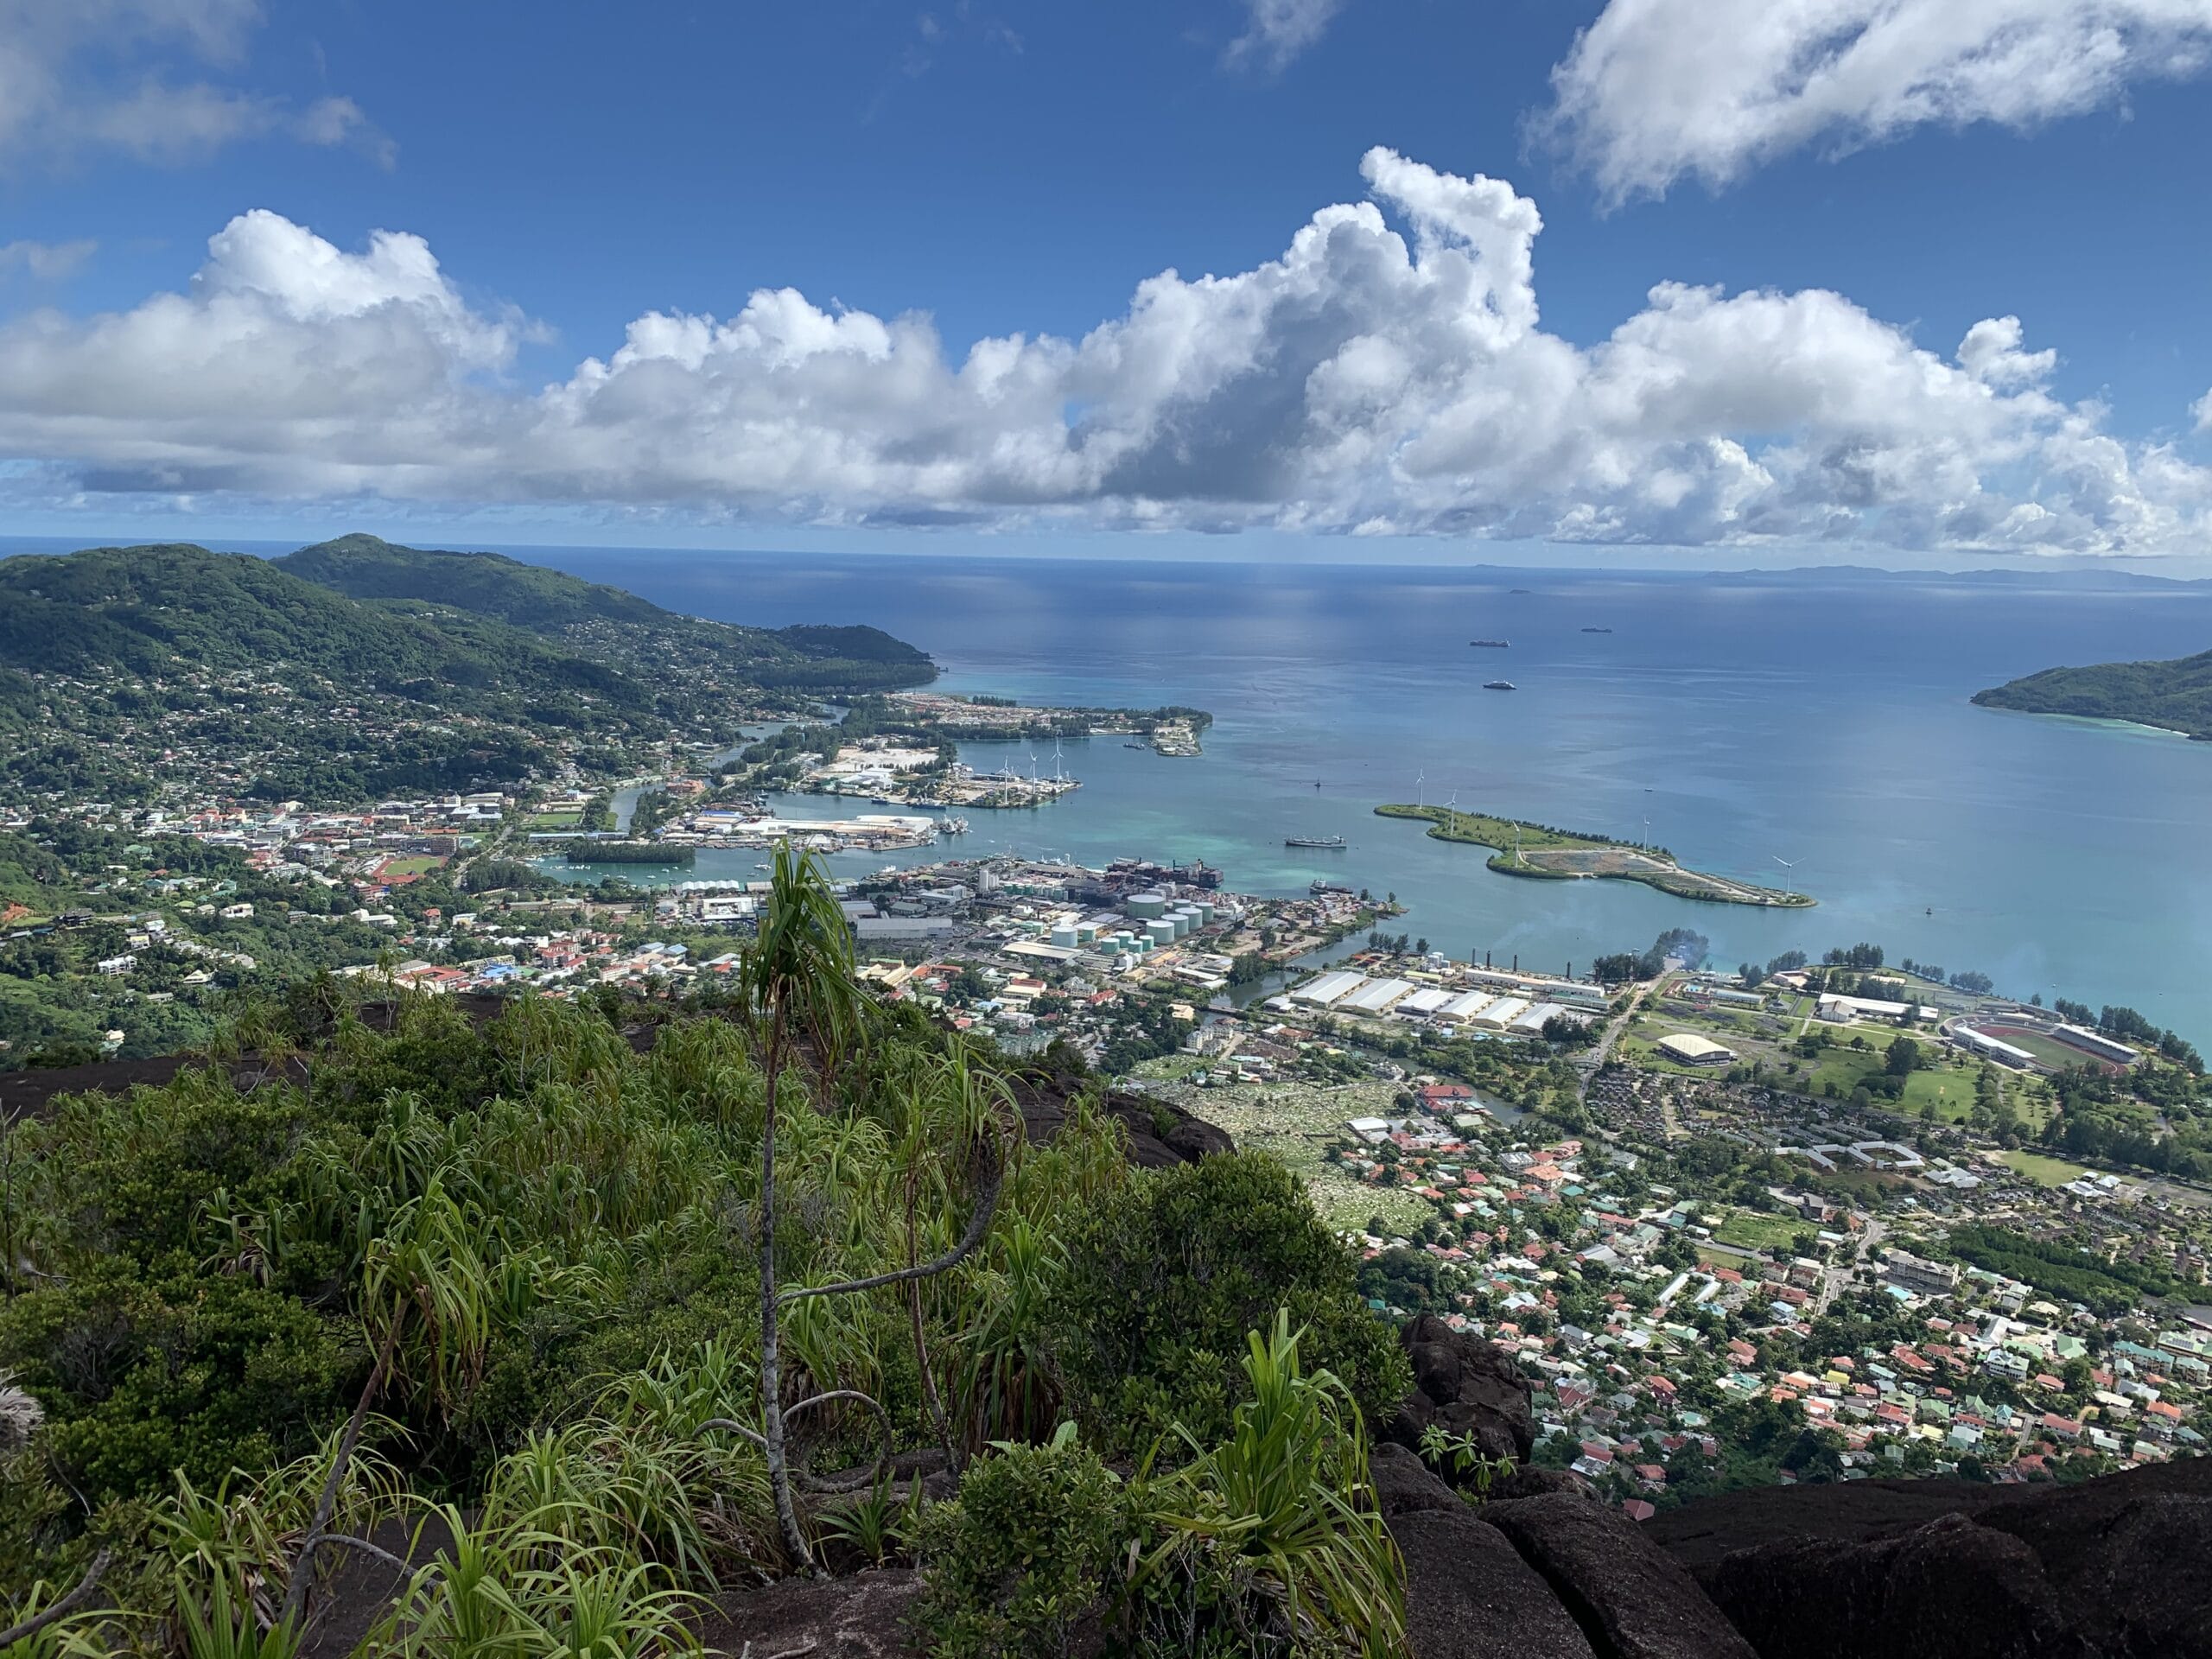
x,y
594,1304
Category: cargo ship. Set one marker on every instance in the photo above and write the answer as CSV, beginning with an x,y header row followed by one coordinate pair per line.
x,y
1315,841
1492,644
1597,630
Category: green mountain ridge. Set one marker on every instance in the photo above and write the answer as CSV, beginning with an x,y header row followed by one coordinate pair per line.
x,y
596,618
2175,696
122,668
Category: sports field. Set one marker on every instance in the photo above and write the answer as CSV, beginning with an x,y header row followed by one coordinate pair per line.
x,y
2045,1048
2045,1171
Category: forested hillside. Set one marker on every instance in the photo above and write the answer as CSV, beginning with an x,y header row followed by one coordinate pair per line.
x,y
592,617
2175,694
121,665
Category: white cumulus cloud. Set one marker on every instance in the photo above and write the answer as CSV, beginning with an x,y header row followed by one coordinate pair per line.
x,y
1658,91
1387,372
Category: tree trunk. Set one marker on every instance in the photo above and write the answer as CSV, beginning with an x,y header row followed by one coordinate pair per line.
x,y
921,1344
772,1404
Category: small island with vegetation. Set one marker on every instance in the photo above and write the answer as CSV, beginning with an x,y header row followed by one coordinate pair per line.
x,y
2174,696
1535,850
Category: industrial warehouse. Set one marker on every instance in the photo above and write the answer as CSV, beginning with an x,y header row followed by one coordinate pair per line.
x,y
1449,995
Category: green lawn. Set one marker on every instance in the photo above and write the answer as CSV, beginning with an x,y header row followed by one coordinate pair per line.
x,y
1749,1230
554,820
1949,1089
414,864
2045,1171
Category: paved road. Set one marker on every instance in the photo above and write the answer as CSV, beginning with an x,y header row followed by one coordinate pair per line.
x,y
1592,1058
1836,1280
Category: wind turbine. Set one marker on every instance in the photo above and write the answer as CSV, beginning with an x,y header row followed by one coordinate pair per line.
x,y
1786,863
1420,799
1057,777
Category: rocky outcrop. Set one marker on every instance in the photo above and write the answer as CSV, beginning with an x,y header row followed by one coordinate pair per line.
x,y
2119,1567
1464,1386
2129,1557
1158,1135
1469,1595
1948,1589
864,1616
1631,1599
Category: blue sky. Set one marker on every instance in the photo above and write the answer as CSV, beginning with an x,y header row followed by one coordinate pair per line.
x,y
1869,200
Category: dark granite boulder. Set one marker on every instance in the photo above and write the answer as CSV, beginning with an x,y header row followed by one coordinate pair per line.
x,y
1465,1386
1631,1598
1469,1595
2130,1556
1701,1534
1948,1590
1404,1484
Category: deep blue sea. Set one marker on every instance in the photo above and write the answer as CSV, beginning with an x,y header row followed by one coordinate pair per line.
x,y
1822,721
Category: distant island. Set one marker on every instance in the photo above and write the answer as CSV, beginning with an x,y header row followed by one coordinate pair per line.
x,y
2175,696
1539,851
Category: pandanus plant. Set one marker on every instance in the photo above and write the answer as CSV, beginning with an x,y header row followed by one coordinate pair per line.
x,y
797,986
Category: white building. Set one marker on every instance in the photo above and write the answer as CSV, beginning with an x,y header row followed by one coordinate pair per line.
x,y
2098,1043
1329,989
1466,1007
1375,996
1692,1050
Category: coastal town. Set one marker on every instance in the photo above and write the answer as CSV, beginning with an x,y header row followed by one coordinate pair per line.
x,y
1716,1276
1809,1220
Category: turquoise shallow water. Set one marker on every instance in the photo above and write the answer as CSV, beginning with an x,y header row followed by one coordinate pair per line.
x,y
1822,721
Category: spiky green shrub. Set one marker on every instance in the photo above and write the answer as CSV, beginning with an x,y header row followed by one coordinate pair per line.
x,y
1270,1541
1165,1278
1026,1561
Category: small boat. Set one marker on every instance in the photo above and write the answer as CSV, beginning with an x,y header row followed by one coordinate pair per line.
x,y
1136,746
1516,590
1315,841
1499,685
1492,644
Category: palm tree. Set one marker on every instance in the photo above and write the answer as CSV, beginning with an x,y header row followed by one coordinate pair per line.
x,y
797,982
